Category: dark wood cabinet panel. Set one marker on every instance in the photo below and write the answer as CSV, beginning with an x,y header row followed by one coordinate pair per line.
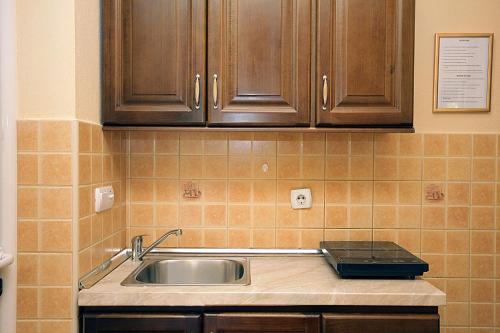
x,y
154,62
258,322
259,57
377,323
141,323
241,319
365,62
259,62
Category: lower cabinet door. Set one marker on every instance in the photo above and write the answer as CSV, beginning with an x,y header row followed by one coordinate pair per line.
x,y
141,323
380,323
257,322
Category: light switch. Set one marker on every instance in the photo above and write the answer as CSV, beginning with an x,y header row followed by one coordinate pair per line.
x,y
104,198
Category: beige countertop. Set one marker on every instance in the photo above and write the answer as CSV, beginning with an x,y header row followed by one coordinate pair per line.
x,y
276,280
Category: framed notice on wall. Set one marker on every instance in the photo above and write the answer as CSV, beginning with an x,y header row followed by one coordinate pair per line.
x,y
462,72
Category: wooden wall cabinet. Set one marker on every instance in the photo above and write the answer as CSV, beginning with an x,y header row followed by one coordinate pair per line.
x,y
154,62
259,62
364,67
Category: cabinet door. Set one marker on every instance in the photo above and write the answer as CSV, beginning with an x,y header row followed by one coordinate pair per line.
x,y
256,322
259,62
154,62
140,323
365,62
376,323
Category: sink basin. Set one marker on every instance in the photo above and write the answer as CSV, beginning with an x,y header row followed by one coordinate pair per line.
x,y
190,271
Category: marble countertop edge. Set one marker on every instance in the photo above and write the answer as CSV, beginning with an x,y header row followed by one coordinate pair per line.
x,y
276,281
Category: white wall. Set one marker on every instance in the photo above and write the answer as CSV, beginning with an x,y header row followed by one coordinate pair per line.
x,y
46,58
8,110
58,44
434,16
88,60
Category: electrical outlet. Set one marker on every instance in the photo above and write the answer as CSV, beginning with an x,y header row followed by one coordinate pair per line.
x,y
301,198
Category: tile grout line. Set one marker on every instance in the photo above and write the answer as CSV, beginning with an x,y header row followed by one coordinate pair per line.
x,y
75,219
153,182
469,278
39,290
374,137
324,152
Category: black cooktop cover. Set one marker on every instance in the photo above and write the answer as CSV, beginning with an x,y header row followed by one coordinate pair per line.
x,y
361,259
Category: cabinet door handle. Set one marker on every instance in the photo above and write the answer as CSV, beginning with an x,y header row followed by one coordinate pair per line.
x,y
325,92
197,92
215,92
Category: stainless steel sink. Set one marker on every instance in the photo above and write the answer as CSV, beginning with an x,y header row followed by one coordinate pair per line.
x,y
191,271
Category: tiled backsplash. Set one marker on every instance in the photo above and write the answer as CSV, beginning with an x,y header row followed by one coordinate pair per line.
x,y
101,162
363,185
436,194
48,192
45,236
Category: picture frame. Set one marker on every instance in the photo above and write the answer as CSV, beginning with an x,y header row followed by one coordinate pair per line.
x,y
463,72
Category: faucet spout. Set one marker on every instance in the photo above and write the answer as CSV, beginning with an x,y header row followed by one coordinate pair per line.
x,y
138,252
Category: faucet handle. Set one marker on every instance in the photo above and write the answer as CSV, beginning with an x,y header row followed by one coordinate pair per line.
x,y
136,245
138,239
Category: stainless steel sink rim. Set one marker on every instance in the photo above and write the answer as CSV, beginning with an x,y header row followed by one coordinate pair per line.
x,y
229,252
132,279
98,273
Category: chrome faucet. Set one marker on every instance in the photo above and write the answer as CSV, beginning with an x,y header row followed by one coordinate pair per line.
x,y
138,252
